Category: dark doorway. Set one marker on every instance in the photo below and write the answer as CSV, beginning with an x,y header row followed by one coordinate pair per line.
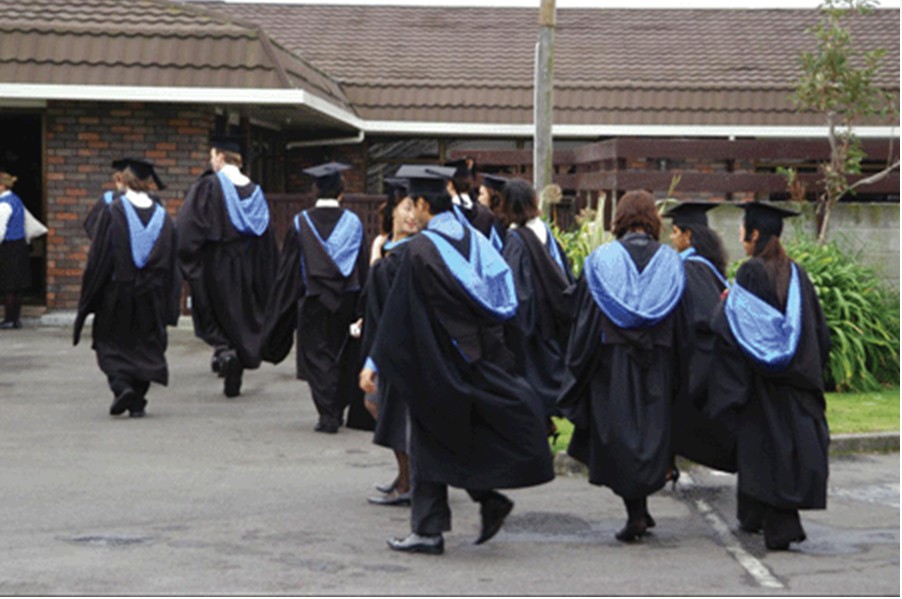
x,y
21,153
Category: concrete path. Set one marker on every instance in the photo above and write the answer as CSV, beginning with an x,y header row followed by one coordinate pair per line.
x,y
210,496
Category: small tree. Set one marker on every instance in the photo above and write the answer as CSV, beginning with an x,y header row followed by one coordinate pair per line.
x,y
838,82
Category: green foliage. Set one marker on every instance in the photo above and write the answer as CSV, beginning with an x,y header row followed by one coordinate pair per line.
x,y
838,82
861,312
588,235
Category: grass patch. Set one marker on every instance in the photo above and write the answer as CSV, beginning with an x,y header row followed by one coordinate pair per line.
x,y
866,412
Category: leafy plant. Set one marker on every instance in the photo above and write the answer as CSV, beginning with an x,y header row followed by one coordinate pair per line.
x,y
588,235
840,83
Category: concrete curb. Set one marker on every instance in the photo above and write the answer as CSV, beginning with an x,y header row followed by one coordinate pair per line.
x,y
845,444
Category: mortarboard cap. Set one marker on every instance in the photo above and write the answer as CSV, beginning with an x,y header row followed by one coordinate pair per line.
x,y
143,169
690,212
766,217
494,182
425,179
228,143
400,183
328,169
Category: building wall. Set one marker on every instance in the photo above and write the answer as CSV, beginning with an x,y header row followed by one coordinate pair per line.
x,y
870,231
82,138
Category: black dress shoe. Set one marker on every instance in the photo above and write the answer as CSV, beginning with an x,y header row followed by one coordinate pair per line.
x,y
136,413
649,521
387,488
393,498
415,543
123,402
214,365
782,544
326,427
11,324
493,511
633,531
231,370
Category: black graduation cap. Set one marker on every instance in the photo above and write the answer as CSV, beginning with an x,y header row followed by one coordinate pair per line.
x,y
228,143
326,173
494,182
142,168
766,217
690,212
399,183
425,179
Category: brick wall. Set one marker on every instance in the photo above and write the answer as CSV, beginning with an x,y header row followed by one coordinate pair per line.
x,y
82,139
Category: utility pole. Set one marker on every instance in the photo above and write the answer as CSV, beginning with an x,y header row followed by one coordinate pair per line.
x,y
543,169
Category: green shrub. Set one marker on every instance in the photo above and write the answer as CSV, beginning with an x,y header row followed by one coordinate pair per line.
x,y
588,235
861,312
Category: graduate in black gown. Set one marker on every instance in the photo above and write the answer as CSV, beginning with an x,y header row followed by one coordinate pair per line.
x,y
480,217
695,436
15,271
626,362
106,199
228,254
538,334
474,424
769,359
387,406
132,286
321,273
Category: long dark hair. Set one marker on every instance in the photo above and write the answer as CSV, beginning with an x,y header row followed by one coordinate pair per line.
x,y
770,251
708,245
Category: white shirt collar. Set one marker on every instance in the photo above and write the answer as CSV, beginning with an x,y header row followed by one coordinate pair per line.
x,y
538,227
463,200
138,198
5,193
234,174
326,203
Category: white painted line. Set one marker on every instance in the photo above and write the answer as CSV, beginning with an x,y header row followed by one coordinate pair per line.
x,y
750,563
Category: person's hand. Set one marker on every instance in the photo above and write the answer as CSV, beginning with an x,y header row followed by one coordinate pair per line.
x,y
367,380
355,329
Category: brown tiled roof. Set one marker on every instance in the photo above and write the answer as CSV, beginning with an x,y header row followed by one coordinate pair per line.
x,y
146,43
619,67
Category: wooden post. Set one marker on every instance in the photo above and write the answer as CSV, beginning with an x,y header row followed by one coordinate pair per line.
x,y
543,167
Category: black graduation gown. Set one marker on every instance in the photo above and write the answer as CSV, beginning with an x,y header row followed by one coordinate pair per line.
x,y
538,334
481,218
474,424
94,214
391,426
321,311
131,306
619,392
695,435
230,273
783,437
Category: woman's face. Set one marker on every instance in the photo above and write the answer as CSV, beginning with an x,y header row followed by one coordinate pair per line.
x,y
404,222
484,198
680,238
748,246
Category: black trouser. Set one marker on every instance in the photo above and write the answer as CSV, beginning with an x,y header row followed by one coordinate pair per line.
x,y
636,508
430,514
13,306
120,383
780,525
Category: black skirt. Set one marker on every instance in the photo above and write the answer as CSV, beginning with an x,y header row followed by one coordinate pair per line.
x,y
15,273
